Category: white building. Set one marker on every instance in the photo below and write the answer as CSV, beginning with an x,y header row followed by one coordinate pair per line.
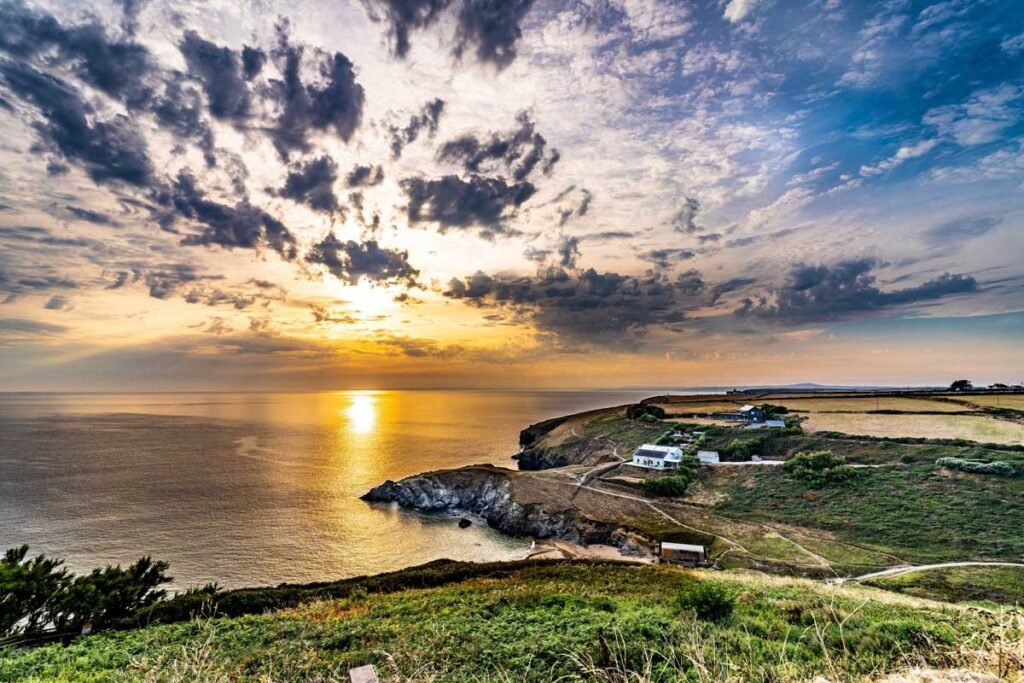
x,y
657,457
707,457
771,424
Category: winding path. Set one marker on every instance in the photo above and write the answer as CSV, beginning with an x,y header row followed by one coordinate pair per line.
x,y
910,569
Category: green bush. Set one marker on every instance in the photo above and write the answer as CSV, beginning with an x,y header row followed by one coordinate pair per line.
x,y
710,601
38,593
639,411
668,487
998,468
819,468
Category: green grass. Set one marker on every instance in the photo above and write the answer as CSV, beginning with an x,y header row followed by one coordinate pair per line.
x,y
912,511
1001,585
582,621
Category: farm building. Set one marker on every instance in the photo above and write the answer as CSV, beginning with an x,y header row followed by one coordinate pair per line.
x,y
657,457
747,413
683,553
708,457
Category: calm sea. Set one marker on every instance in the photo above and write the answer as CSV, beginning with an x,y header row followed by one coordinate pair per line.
x,y
253,489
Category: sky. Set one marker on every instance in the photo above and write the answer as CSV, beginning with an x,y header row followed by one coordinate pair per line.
x,y
335,194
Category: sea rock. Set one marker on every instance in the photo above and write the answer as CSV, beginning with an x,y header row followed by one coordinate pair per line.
x,y
465,523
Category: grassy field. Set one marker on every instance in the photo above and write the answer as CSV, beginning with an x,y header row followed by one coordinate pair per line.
x,y
578,622
916,512
970,427
1004,585
1012,401
865,404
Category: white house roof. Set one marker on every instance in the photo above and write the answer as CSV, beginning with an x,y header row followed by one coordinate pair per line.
x,y
746,409
685,547
714,453
774,423
659,452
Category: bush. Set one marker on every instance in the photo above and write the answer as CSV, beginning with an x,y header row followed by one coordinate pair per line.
x,y
668,487
639,411
819,468
39,593
708,600
998,468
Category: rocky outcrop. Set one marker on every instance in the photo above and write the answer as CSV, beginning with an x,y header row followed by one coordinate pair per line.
x,y
535,432
489,493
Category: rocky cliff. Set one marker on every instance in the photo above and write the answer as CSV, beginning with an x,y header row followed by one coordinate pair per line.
x,y
489,492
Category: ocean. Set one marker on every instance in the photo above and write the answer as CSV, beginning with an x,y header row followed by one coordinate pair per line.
x,y
246,489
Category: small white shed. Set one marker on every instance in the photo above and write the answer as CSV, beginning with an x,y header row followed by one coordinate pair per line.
x,y
708,457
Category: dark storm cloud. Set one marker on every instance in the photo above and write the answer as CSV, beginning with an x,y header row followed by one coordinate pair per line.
x,y
117,68
685,218
666,258
111,150
568,252
491,28
335,102
952,233
823,293
602,308
58,303
427,120
242,225
520,151
220,71
453,202
312,183
90,216
166,280
361,176
253,59
350,261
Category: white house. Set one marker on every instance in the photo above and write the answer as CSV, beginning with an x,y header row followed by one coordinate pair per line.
x,y
657,457
707,457
683,553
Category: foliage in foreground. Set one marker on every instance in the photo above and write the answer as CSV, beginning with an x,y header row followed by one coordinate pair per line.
x,y
579,621
36,593
675,485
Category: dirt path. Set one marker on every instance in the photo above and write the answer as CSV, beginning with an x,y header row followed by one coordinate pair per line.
x,y
910,569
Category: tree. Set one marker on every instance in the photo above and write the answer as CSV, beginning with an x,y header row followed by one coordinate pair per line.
x,y
961,385
819,468
30,591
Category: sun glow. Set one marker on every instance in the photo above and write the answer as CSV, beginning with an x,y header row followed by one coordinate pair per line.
x,y
361,413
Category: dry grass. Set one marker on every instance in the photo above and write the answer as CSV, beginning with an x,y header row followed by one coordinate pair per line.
x,y
1014,401
970,427
866,403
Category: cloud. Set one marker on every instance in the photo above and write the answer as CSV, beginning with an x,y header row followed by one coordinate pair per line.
x,y
903,154
242,225
568,251
666,258
453,202
403,16
738,10
843,290
351,261
90,216
220,70
491,28
363,176
520,151
1013,45
166,280
684,219
58,303
23,326
579,210
427,120
111,150
959,230
981,118
312,183
587,307
334,102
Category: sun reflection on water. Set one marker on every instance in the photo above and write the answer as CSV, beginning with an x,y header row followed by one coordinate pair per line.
x,y
362,413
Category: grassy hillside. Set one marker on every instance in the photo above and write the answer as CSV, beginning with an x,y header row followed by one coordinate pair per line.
x,y
537,622
1003,585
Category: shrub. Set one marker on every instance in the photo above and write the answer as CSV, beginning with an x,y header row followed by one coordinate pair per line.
x,y
819,468
639,411
668,487
998,468
38,593
710,601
